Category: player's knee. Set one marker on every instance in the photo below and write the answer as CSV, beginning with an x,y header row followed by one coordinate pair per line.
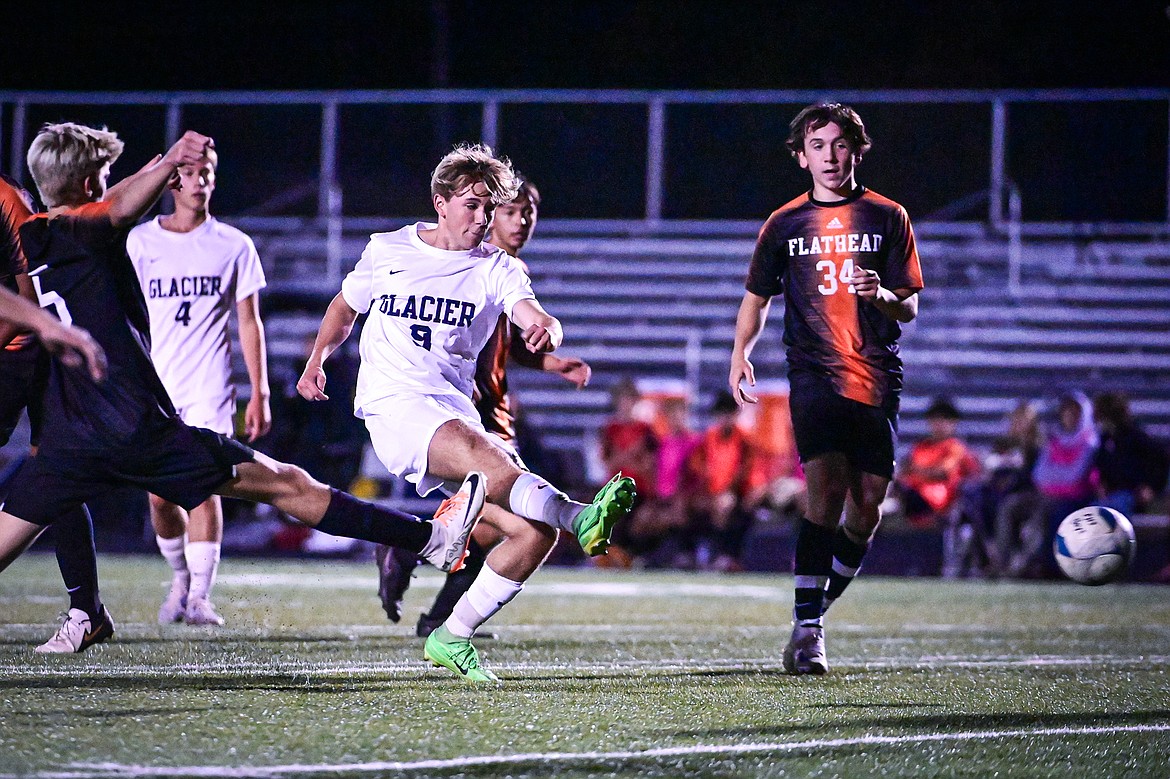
x,y
295,481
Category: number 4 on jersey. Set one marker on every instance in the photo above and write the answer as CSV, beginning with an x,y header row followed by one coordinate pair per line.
x,y
183,315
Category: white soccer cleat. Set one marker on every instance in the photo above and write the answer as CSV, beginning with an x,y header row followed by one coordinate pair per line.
x,y
78,633
175,605
201,612
805,653
457,516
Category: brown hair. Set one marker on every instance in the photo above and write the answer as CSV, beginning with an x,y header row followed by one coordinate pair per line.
x,y
817,115
469,164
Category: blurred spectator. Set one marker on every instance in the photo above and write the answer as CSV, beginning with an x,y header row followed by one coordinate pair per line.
x,y
1004,501
1064,477
668,512
628,445
724,461
1131,465
984,526
935,468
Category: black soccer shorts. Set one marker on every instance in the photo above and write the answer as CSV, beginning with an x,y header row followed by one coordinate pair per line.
x,y
184,465
824,422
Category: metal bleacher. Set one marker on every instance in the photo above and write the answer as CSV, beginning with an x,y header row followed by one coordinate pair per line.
x,y
665,310
1025,297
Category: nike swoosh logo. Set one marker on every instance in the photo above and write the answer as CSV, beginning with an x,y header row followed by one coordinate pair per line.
x,y
463,669
392,272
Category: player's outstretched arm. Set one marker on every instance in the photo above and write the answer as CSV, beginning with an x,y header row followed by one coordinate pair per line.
x,y
572,369
540,330
132,197
749,323
72,345
336,326
258,414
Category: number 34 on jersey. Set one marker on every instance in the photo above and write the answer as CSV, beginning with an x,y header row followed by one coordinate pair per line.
x,y
834,277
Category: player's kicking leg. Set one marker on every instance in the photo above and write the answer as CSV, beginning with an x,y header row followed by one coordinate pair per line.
x,y
528,513
441,542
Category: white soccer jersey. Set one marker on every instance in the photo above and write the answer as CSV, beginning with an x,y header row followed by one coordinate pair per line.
x,y
191,282
430,313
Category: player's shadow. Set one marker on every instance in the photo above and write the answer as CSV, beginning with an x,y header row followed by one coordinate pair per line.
x,y
942,723
292,682
74,714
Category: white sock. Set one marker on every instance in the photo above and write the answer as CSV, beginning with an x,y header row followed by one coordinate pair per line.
x,y
173,552
489,593
534,498
202,562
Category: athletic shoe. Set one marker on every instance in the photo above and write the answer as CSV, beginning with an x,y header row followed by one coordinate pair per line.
x,y
395,567
805,653
457,516
201,612
426,625
77,633
175,605
445,649
595,523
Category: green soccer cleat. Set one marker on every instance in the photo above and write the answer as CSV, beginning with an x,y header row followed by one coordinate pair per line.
x,y
445,649
595,523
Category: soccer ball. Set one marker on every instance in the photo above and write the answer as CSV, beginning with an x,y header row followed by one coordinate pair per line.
x,y
1094,545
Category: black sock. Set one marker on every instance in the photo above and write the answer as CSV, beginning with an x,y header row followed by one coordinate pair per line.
x,y
847,557
812,564
457,583
77,559
350,517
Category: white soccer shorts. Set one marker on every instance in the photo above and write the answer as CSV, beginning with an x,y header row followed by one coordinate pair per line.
x,y
401,429
215,414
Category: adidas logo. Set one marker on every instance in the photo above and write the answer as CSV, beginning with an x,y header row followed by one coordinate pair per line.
x,y
835,224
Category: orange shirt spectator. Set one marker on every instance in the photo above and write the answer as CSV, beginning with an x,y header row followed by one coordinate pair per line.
x,y
936,466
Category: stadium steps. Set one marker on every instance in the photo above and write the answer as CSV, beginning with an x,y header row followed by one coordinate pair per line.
x,y
1092,316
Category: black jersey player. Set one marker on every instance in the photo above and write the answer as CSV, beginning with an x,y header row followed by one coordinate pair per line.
x,y
845,260
124,431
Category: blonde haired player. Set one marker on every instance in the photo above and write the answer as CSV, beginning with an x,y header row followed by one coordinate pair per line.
x,y
434,293
194,270
124,431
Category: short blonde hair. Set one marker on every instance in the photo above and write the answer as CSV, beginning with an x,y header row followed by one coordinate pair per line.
x,y
63,155
469,164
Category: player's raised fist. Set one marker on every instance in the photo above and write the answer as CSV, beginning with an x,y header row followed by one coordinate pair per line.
x,y
191,149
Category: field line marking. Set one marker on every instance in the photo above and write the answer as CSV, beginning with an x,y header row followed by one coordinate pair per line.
x,y
123,770
261,670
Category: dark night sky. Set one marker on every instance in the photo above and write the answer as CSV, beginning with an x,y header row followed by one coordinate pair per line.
x,y
699,45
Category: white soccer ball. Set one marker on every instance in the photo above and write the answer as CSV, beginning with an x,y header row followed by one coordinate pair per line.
x,y
1094,545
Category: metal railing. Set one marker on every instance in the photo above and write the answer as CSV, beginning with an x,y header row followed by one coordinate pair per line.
x,y
14,111
1004,215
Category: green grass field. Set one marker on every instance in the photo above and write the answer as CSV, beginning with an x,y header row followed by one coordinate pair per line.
x,y
612,673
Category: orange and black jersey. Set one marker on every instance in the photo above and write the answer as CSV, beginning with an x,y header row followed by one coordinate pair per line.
x,y
13,212
491,377
808,250
491,383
